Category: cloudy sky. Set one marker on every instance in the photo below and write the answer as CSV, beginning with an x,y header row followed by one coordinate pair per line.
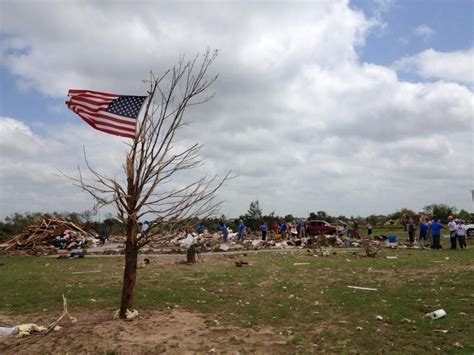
x,y
352,107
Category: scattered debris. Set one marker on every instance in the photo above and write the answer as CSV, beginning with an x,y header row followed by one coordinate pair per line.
x,y
458,345
444,331
143,263
85,272
299,264
363,288
241,263
6,331
379,317
129,315
371,247
439,313
27,329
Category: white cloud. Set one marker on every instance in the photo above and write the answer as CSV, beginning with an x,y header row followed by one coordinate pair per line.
x,y
451,66
424,31
30,179
297,116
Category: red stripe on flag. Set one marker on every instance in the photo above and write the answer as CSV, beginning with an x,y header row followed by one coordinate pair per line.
x,y
93,118
119,131
74,92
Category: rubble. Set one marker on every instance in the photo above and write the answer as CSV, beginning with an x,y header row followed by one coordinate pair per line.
x,y
47,236
52,235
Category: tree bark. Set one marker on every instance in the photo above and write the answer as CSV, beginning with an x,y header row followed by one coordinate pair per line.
x,y
130,271
191,255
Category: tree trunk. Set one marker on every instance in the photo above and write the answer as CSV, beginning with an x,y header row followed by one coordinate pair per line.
x,y
191,255
130,272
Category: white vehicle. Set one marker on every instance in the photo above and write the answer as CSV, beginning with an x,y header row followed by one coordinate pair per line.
x,y
470,230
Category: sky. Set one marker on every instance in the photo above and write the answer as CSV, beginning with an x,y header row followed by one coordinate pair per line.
x,y
351,107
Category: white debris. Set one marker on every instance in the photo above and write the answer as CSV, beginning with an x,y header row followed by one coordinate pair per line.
x,y
6,331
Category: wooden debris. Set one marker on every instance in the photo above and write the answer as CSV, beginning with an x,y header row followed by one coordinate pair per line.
x,y
241,263
363,288
371,247
38,238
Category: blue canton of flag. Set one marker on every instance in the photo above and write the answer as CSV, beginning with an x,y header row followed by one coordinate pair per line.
x,y
127,106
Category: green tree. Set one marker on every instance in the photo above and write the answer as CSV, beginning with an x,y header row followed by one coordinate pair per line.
x,y
465,215
254,212
440,211
401,213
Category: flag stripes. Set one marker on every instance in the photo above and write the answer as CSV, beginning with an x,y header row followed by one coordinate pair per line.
x,y
109,113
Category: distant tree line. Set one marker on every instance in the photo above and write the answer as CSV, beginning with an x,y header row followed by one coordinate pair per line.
x,y
253,219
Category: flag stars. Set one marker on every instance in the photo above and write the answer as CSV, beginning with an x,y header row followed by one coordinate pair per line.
x,y
128,106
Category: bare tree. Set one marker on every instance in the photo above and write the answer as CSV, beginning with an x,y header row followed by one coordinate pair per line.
x,y
151,164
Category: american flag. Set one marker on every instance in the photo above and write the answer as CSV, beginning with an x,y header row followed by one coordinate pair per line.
x,y
110,113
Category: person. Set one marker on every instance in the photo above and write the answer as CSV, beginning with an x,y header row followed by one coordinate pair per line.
x,y
423,232
200,229
369,228
292,229
264,229
355,231
436,233
241,231
106,233
429,240
275,227
411,230
283,229
452,226
223,230
302,231
461,234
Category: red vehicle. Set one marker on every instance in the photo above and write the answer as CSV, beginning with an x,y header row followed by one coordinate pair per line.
x,y
320,227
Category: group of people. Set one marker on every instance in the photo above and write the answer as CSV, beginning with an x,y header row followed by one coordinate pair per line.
x,y
430,233
282,229
457,232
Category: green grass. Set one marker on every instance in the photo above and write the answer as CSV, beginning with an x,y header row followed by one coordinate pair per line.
x,y
310,303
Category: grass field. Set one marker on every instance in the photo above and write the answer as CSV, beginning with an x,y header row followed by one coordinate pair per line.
x,y
310,303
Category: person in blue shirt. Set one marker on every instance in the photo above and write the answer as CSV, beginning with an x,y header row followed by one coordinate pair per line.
x,y
241,231
106,233
223,230
200,229
423,232
301,229
283,229
436,233
264,230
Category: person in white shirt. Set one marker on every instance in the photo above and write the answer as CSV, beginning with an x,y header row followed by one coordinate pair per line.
x,y
461,234
452,226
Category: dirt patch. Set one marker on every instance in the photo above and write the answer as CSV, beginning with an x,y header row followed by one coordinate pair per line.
x,y
171,332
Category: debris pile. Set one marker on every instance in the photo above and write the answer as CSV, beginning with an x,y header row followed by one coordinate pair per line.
x,y
213,242
371,247
48,235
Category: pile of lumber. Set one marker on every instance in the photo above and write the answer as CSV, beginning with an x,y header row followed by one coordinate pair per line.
x,y
40,235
